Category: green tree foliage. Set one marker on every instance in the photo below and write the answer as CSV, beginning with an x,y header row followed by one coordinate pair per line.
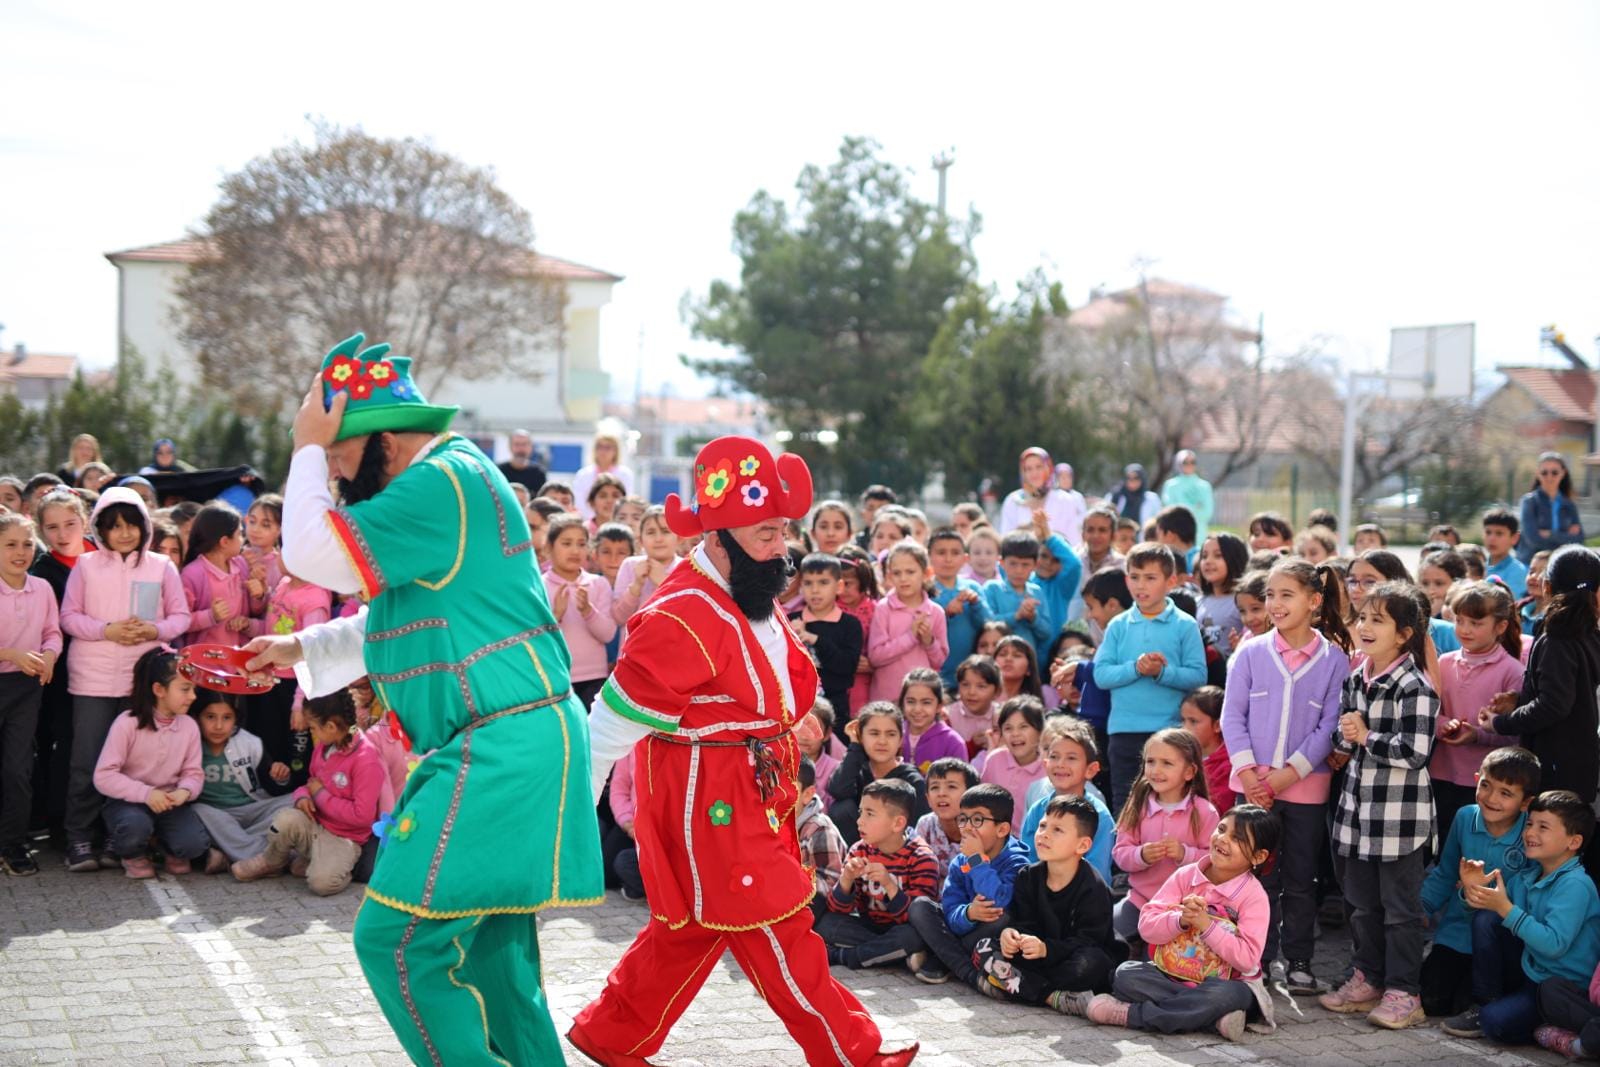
x,y
836,306
989,389
127,410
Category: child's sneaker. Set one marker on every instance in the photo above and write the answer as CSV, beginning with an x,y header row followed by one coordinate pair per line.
x,y
139,867
1556,1040
257,866
1106,1010
1231,1026
1070,1003
1397,1011
108,859
1467,1024
1301,982
17,860
1356,995
81,857
176,864
216,861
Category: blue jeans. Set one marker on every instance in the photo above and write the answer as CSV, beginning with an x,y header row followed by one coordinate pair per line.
x,y
129,826
1496,959
1511,1019
1169,1006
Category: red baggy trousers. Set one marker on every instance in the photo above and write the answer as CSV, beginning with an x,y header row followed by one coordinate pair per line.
x,y
786,962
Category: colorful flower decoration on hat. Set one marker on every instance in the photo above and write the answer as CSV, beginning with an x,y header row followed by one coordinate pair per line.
x,y
721,813
401,389
381,372
361,388
341,371
753,493
749,465
714,485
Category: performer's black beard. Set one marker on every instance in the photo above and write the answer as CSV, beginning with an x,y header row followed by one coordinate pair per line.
x,y
755,586
369,477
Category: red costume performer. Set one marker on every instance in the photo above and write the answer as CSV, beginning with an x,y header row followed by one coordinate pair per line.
x,y
706,694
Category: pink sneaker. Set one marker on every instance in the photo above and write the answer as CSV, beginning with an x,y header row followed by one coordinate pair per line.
x,y
1107,1010
139,867
177,865
1356,995
1556,1040
1397,1010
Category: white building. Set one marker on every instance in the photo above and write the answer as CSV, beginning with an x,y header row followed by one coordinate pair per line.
x,y
35,378
559,405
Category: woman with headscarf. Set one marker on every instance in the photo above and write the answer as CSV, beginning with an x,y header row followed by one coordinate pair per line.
x,y
84,451
1131,499
1549,514
1064,510
164,459
1191,491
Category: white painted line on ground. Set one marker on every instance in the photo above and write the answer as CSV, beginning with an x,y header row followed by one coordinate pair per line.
x,y
276,1041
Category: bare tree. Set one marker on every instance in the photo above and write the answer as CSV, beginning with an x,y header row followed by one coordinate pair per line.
x,y
1172,363
310,243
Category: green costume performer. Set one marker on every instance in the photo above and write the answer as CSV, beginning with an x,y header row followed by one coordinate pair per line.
x,y
497,821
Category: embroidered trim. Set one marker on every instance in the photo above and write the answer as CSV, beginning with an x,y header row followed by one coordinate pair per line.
x,y
688,827
449,821
561,803
408,628
527,909
800,998
727,929
617,699
483,1011
460,666
405,991
348,533
712,698
744,646
461,533
690,631
544,679
667,1010
507,549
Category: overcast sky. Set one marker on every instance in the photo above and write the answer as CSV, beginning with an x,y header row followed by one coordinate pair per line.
x,y
1338,169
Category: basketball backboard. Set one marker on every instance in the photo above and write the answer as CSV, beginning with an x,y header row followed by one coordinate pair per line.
x,y
1432,361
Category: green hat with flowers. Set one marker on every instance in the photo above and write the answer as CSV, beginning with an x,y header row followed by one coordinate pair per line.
x,y
383,396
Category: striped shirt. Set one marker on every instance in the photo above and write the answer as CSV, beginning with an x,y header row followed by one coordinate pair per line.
x,y
913,866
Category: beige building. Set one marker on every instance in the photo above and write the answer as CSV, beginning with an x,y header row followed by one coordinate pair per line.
x,y
560,403
35,378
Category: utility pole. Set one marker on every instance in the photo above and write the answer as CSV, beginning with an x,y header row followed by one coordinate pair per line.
x,y
941,163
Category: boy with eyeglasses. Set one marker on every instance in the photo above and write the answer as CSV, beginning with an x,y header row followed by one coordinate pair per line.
x,y
977,890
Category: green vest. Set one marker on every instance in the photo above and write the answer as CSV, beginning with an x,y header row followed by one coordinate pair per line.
x,y
462,647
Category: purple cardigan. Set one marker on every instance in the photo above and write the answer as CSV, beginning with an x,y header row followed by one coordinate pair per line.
x,y
939,741
1275,719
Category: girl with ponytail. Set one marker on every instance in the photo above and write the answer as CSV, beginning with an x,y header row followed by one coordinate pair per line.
x,y
1279,714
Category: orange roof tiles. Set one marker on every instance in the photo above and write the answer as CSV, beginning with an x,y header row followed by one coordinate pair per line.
x,y
1566,392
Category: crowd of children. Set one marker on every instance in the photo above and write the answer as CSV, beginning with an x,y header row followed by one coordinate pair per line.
x,y
1123,769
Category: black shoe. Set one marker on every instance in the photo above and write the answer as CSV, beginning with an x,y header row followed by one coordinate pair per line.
x,y
81,857
17,860
1467,1024
1301,982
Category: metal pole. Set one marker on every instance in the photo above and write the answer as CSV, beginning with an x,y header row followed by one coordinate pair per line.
x,y
941,163
1347,462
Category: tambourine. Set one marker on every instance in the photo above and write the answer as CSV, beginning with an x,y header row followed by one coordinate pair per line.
x,y
222,668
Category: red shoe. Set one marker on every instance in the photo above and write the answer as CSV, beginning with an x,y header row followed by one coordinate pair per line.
x,y
896,1059
583,1044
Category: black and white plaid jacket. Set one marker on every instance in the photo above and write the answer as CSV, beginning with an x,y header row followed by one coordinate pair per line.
x,y
1384,810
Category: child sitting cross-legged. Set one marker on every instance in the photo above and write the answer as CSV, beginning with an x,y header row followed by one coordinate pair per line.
x,y
1488,832
1207,926
1571,1017
1545,924
977,890
821,847
245,786
1071,759
867,924
1057,945
334,811
948,780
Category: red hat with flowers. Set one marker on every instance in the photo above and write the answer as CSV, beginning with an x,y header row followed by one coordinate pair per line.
x,y
737,483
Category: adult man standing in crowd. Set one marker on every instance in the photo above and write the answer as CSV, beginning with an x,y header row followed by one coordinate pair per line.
x,y
521,469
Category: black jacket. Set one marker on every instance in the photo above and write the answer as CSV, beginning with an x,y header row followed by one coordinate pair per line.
x,y
1076,917
855,772
837,652
1557,716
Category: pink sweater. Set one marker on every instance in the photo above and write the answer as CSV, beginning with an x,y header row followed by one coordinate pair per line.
x,y
392,753
863,611
969,725
135,761
586,637
29,619
100,591
623,602
352,788
293,608
271,563
1241,898
1002,768
203,584
1158,824
1468,682
622,803
893,648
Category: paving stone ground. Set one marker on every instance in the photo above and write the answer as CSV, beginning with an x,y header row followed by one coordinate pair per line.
x,y
95,968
